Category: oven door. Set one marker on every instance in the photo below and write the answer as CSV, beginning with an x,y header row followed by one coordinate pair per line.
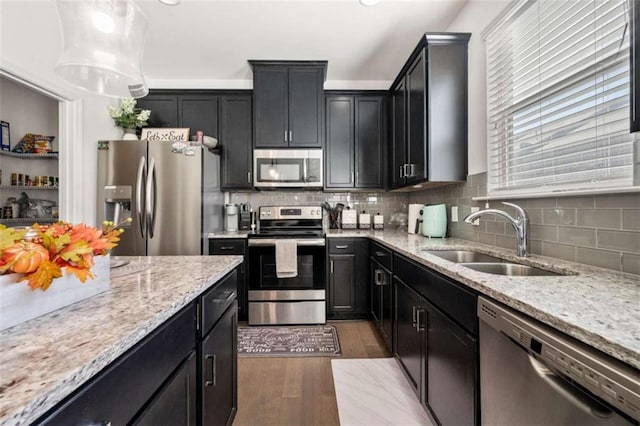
x,y
287,168
262,267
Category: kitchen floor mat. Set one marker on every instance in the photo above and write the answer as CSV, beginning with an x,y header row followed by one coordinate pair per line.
x,y
286,341
375,392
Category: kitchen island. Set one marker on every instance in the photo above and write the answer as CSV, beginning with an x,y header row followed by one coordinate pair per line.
x,y
44,360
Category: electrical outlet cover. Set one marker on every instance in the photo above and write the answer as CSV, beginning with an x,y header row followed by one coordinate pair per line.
x,y
454,213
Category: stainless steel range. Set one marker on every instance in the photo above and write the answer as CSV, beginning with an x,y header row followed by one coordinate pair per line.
x,y
300,296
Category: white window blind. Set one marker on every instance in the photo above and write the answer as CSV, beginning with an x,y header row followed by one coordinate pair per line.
x,y
558,98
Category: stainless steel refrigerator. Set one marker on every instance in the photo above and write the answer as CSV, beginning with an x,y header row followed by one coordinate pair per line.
x,y
159,185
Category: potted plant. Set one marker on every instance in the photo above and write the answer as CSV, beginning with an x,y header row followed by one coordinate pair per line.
x,y
128,117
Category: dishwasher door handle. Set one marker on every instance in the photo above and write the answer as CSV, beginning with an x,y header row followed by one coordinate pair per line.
x,y
576,397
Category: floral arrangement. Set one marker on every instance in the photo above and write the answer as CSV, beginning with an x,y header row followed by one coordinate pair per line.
x,y
127,115
42,251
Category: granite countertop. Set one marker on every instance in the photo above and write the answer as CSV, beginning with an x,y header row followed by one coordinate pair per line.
x,y
597,306
45,359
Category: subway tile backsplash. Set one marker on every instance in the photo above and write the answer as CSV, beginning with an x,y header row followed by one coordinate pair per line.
x,y
598,230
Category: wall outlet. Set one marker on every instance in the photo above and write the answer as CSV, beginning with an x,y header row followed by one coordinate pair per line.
x,y
454,213
477,221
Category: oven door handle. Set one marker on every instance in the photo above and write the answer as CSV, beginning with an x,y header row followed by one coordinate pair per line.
x,y
268,242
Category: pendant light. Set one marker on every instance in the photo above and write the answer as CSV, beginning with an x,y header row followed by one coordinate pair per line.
x,y
103,42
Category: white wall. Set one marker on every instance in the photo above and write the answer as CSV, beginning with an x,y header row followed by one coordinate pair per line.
x,y
30,43
474,18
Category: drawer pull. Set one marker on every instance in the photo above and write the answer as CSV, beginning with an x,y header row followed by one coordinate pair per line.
x,y
229,296
210,370
381,254
340,247
227,248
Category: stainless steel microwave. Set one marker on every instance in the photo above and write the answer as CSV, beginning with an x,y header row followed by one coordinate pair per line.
x,y
287,168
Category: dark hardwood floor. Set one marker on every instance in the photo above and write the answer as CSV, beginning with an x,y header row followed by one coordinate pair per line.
x,y
299,391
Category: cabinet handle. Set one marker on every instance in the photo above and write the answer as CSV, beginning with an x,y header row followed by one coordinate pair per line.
x,y
378,277
414,316
404,170
229,296
419,327
285,136
412,168
210,361
248,177
401,175
381,254
331,267
341,247
290,135
226,248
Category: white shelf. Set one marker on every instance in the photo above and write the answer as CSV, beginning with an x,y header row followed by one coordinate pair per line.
x,y
28,156
30,220
28,188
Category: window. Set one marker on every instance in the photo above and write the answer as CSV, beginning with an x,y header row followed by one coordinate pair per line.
x,y
558,98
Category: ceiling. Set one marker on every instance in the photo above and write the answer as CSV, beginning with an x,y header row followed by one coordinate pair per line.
x,y
206,43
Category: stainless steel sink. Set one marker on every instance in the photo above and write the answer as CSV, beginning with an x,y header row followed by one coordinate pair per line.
x,y
510,269
463,256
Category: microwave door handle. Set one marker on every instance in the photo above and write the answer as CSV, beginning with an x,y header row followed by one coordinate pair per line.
x,y
305,177
142,169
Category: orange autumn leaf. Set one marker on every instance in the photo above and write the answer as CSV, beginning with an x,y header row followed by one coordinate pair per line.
x,y
80,272
43,276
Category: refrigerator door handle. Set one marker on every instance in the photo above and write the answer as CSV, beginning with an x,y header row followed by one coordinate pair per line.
x,y
150,193
142,169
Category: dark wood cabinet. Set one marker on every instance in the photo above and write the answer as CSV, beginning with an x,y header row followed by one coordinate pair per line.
x,y
128,385
235,137
382,294
452,373
430,113
219,363
356,129
163,107
237,246
436,341
409,338
199,112
634,13
287,103
175,404
348,272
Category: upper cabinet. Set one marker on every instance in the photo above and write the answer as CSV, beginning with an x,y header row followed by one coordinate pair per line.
x,y
429,113
354,151
235,137
287,103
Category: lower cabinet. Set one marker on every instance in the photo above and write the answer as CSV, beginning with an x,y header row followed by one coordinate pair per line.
x,y
175,404
228,246
219,364
348,272
436,343
381,278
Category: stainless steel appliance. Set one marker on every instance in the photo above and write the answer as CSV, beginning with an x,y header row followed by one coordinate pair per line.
x,y
531,374
297,300
160,188
287,168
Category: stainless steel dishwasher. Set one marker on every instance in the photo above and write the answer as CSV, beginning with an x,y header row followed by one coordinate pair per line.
x,y
531,374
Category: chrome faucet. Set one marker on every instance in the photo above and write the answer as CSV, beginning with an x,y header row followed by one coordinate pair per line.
x,y
520,224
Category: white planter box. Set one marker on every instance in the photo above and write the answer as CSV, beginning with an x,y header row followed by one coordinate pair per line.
x,y
18,303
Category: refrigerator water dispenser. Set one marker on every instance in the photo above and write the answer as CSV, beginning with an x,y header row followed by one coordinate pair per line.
x,y
117,204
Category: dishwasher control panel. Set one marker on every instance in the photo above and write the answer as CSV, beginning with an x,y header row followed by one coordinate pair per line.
x,y
612,381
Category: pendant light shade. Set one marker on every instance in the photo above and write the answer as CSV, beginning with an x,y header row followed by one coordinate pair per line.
x,y
103,43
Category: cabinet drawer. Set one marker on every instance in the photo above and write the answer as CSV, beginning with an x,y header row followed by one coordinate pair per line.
x,y
446,295
118,392
382,255
341,245
214,302
227,246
